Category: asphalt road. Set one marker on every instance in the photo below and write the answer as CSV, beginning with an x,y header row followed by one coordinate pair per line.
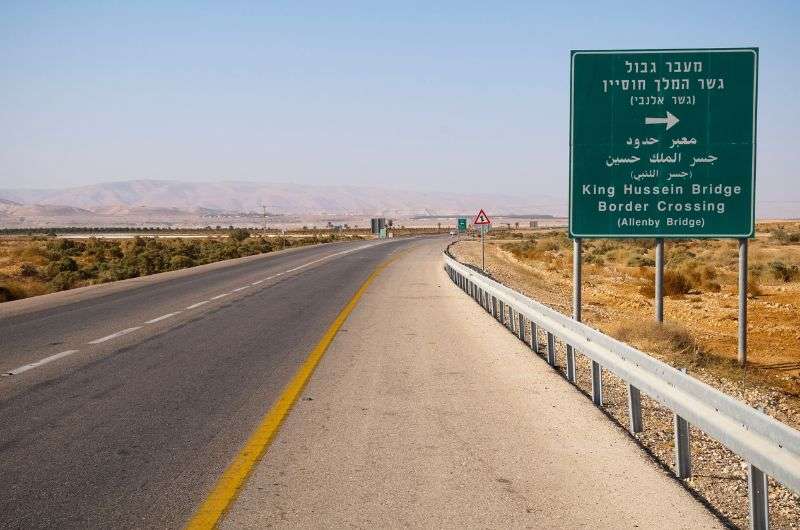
x,y
166,378
427,413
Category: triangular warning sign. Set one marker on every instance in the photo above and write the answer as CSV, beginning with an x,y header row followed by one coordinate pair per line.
x,y
481,219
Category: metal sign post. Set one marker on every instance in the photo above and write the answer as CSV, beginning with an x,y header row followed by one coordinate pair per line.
x,y
743,301
482,220
577,261
483,250
659,280
663,145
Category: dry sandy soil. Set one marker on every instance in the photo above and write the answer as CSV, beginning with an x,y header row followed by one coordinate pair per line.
x,y
700,334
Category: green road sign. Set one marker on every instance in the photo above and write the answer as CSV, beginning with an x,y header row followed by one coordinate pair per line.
x,y
663,143
462,224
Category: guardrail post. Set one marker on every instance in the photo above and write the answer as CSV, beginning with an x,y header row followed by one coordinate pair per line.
x,y
683,458
551,349
501,311
597,384
759,498
534,337
571,368
521,324
635,409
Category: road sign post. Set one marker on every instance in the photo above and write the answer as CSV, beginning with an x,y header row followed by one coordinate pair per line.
x,y
663,145
483,222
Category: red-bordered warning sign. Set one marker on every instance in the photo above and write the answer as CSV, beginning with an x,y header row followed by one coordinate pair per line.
x,y
481,219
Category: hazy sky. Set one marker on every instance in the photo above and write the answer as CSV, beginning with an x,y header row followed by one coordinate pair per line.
x,y
420,95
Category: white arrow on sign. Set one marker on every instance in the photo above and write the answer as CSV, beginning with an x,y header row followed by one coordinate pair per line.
x,y
670,120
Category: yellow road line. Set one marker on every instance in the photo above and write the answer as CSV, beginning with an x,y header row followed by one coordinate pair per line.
x,y
234,477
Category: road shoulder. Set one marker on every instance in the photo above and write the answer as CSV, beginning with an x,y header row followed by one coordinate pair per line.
x,y
427,413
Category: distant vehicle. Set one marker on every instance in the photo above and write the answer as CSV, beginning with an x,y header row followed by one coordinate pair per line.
x,y
453,233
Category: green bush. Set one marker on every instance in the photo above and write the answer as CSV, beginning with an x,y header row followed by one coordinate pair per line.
x,y
64,280
11,291
239,234
784,237
784,272
28,270
641,261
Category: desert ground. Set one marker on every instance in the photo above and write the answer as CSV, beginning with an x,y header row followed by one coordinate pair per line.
x,y
701,290
699,333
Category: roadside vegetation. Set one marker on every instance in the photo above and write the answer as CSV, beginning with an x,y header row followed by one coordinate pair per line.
x,y
700,285
37,265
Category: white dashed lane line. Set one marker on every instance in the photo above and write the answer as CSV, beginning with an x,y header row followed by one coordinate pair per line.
x,y
162,317
66,353
115,335
40,362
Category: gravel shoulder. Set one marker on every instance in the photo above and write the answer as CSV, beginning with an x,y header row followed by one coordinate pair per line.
x,y
719,476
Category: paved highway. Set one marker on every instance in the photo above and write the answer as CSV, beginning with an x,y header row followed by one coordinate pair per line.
x,y
125,402
422,412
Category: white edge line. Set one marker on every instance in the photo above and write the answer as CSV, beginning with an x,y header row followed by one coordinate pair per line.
x,y
40,362
115,335
223,295
198,304
242,288
257,282
162,317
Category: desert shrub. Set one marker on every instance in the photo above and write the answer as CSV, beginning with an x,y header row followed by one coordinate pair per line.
x,y
785,237
638,260
596,259
59,248
676,283
64,280
180,262
115,272
782,271
67,265
603,246
651,336
10,290
522,250
28,270
753,287
239,234
678,256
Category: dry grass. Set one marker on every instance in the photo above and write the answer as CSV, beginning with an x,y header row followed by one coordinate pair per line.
x,y
701,288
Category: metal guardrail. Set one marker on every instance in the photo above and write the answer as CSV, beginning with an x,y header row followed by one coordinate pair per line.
x,y
770,447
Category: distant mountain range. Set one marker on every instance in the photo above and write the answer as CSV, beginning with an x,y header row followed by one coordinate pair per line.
x,y
199,198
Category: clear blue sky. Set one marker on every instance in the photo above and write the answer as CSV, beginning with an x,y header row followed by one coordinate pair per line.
x,y
419,95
